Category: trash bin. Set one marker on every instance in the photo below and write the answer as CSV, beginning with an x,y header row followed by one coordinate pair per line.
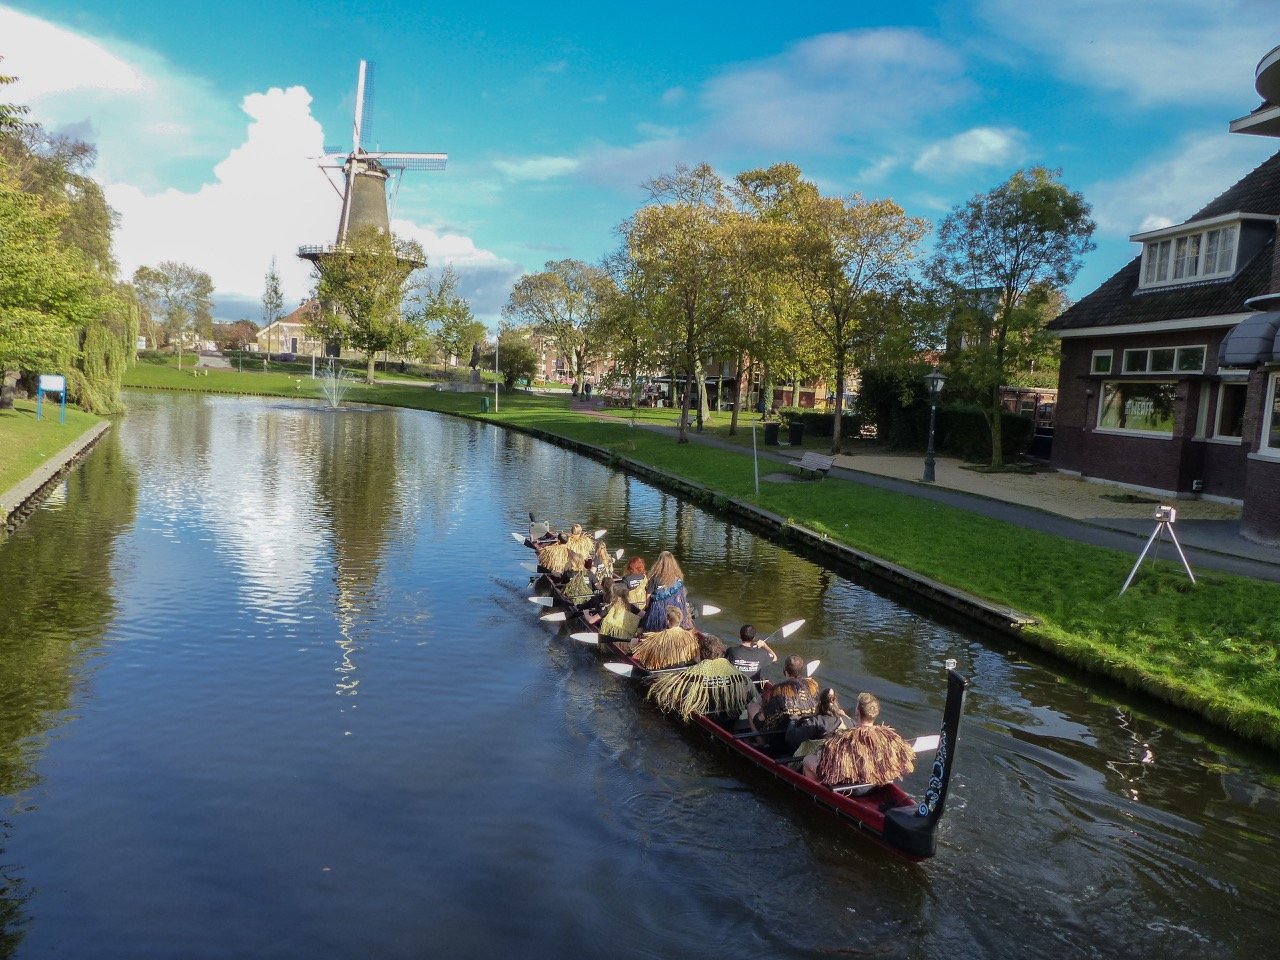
x,y
484,404
771,433
795,432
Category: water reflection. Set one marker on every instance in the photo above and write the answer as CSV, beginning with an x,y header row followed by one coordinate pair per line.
x,y
489,769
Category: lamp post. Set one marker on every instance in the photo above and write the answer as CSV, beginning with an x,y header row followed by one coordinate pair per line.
x,y
934,382
497,369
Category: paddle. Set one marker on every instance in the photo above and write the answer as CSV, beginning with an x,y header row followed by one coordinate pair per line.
x,y
708,610
558,617
591,638
543,601
787,629
519,538
811,667
531,567
596,535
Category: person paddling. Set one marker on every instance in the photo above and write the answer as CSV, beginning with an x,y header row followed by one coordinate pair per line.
x,y
795,698
867,756
749,655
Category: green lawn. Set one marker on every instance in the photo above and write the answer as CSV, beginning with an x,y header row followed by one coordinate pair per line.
x,y
1211,648
26,443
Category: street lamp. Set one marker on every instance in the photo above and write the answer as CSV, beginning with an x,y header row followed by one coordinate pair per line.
x,y
934,382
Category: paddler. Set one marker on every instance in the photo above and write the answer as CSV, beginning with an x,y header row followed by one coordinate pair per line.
x,y
749,655
555,558
579,542
621,619
868,755
781,704
673,646
666,592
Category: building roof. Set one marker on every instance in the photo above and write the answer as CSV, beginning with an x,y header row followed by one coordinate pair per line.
x,y
1119,301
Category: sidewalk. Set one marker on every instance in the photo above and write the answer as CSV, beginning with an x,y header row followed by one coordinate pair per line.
x,y
1096,513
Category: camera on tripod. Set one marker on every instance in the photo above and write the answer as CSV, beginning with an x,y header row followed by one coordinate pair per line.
x,y
1165,514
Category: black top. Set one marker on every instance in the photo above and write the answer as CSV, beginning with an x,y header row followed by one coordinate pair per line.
x,y
818,727
747,659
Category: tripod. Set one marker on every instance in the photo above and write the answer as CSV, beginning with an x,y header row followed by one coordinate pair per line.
x,y
1164,524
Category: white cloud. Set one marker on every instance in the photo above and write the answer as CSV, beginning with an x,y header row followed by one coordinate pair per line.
x,y
674,95
834,87
1176,183
1175,51
979,147
537,168
256,192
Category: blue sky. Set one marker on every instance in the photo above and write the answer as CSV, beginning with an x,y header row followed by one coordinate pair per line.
x,y
206,115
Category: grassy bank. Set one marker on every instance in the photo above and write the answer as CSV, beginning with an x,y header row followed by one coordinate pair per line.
x,y
1211,648
27,443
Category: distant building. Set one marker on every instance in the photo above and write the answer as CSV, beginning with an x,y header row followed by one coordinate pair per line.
x,y
1170,377
289,335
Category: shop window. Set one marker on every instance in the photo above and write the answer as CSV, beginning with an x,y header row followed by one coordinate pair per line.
x,y
1131,407
1271,417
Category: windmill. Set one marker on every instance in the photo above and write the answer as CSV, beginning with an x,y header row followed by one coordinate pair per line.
x,y
360,177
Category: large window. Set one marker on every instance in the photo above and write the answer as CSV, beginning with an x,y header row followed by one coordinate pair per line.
x,y
1230,422
1137,407
1201,255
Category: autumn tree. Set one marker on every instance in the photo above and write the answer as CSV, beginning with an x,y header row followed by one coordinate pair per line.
x,y
848,261
564,305
682,249
362,287
1002,258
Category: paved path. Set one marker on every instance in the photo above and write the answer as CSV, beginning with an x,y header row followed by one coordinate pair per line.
x,y
1054,503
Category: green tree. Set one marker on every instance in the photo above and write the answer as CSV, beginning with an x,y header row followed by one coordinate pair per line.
x,y
48,292
179,297
516,360
564,304
446,317
682,249
1003,257
11,114
272,304
362,288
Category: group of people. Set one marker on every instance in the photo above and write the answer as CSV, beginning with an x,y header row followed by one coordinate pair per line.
x,y
648,609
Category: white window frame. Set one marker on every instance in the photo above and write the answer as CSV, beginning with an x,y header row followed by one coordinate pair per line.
x,y
1169,254
1218,435
1268,410
1149,371
1093,362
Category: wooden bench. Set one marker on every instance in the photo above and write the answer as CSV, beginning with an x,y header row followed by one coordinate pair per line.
x,y
814,463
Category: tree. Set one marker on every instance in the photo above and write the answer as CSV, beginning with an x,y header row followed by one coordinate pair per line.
x,y
272,304
362,287
848,257
1002,258
48,292
179,296
563,304
447,316
517,360
682,250
11,114
235,336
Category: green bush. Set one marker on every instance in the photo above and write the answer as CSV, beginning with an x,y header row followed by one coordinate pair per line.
x,y
961,431
820,423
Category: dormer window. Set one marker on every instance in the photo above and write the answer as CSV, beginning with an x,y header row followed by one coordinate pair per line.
x,y
1190,252
1196,256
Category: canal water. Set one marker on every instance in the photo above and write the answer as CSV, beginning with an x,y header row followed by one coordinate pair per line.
x,y
270,686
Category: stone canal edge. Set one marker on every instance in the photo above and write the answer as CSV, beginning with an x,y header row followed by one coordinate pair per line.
x,y
18,502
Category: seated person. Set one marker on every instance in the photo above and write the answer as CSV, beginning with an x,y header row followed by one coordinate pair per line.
x,y
580,590
636,582
579,542
795,698
621,619
806,736
710,647
750,653
673,647
867,756
555,557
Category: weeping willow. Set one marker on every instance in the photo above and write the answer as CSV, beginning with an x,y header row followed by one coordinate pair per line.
x,y
107,346
712,686
872,754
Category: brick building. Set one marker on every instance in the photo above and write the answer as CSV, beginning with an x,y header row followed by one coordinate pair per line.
x,y
1170,378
